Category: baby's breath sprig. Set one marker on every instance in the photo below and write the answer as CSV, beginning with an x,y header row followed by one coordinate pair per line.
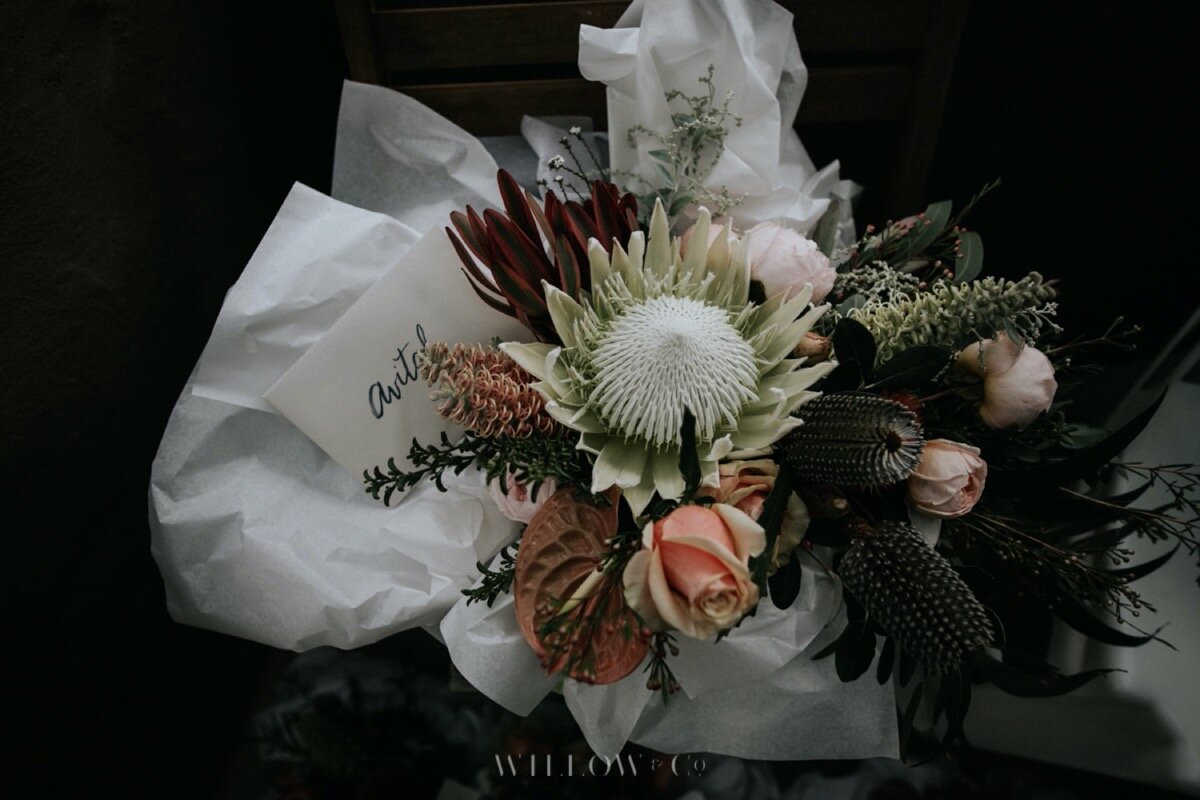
x,y
569,169
687,155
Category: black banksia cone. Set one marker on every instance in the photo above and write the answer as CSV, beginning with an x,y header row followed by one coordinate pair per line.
x,y
914,595
854,439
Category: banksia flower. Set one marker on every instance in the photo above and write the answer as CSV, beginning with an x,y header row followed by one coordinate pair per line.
x,y
529,244
485,391
914,595
854,439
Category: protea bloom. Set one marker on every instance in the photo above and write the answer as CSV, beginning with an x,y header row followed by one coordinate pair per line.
x,y
661,335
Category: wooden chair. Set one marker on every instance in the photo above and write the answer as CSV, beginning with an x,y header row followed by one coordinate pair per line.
x,y
879,71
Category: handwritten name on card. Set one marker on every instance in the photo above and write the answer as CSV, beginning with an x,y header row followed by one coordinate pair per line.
x,y
357,392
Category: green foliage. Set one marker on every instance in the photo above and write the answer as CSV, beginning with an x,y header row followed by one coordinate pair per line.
x,y
953,315
532,461
494,582
684,158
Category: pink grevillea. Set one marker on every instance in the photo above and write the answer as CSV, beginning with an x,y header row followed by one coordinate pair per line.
x,y
484,390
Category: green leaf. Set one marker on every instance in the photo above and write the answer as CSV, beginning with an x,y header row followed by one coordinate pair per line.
x,y
660,155
1078,618
855,651
785,583
1146,567
679,204
853,345
1028,480
771,519
689,459
1046,682
936,217
664,175
914,368
968,265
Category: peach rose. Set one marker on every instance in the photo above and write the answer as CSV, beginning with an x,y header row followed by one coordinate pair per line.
x,y
745,486
948,480
693,571
1018,381
783,260
517,503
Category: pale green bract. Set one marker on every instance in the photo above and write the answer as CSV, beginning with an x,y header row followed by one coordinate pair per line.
x,y
661,334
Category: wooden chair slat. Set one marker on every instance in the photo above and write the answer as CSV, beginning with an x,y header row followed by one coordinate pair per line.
x,y
458,37
835,94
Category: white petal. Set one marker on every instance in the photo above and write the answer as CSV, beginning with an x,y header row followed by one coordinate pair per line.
x,y
564,311
658,250
531,357
599,263
619,464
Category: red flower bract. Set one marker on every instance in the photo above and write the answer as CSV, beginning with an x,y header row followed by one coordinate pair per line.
x,y
529,244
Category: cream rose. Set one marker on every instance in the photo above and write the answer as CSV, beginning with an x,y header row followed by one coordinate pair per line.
x,y
783,260
693,571
745,486
948,480
1018,381
518,503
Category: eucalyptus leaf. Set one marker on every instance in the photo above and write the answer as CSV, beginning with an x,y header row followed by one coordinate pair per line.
x,y
853,345
969,264
937,215
913,368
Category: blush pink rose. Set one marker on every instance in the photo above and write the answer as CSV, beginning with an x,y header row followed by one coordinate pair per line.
x,y
783,260
693,571
948,480
715,228
518,503
1018,381
745,486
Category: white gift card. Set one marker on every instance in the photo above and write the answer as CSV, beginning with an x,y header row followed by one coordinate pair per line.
x,y
356,392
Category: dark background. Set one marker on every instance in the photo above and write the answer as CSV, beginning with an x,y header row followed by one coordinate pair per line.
x,y
144,148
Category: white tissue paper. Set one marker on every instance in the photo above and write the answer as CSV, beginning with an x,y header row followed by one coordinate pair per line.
x,y
259,533
670,44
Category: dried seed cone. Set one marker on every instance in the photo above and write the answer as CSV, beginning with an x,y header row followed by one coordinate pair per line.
x,y
854,440
913,593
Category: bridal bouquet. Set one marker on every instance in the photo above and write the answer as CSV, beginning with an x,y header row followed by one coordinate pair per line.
x,y
685,430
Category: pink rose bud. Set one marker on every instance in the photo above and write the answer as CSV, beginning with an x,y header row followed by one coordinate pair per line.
x,y
783,260
693,571
518,503
815,347
948,480
1018,381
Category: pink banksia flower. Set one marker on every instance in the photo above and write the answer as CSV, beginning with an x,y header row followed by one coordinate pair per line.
x,y
485,391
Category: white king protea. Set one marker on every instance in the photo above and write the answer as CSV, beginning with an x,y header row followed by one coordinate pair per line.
x,y
659,335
